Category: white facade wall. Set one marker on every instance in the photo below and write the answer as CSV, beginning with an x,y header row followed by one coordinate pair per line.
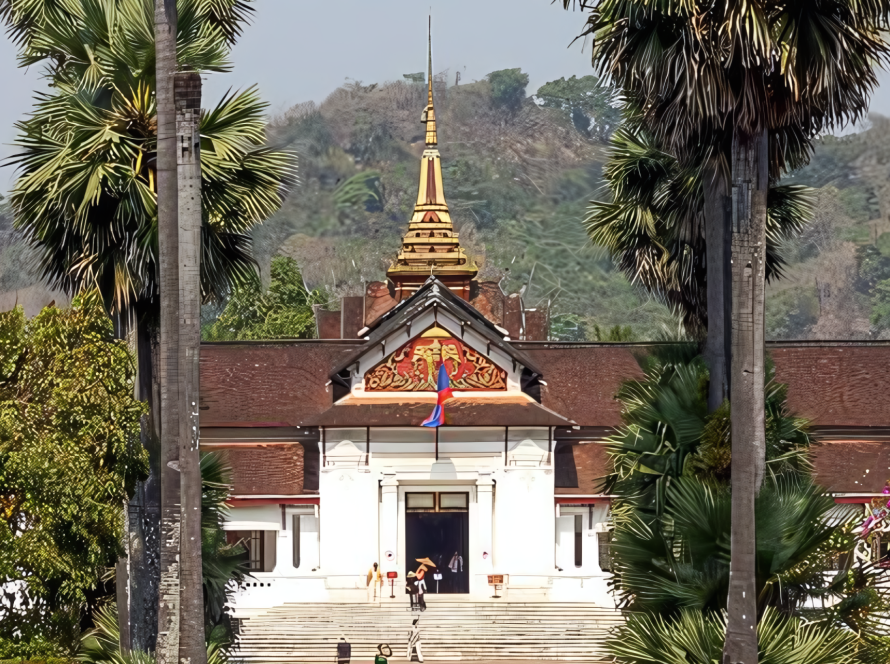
x,y
512,517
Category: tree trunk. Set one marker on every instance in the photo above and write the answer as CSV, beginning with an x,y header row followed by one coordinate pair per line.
x,y
145,505
168,248
124,328
716,209
750,182
137,572
188,110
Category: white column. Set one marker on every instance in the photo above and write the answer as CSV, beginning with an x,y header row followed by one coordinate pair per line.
x,y
389,524
484,498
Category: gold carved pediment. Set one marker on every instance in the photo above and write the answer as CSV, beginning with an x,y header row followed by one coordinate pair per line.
x,y
415,366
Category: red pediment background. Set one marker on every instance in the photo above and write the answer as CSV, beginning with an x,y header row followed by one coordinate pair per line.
x,y
414,367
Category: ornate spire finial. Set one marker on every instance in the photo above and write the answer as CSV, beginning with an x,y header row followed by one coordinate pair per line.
x,y
431,247
429,114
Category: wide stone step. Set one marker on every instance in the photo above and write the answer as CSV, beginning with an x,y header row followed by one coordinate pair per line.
x,y
451,631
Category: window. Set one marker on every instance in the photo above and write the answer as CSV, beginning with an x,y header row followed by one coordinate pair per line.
x,y
259,548
604,541
255,550
579,525
437,502
881,550
453,502
420,502
295,536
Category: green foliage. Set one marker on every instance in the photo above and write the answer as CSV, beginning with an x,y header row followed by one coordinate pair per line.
x,y
86,194
791,312
282,312
696,638
880,308
69,459
101,645
653,226
508,88
39,660
671,541
616,333
590,104
222,564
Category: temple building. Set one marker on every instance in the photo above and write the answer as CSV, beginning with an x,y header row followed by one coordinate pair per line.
x,y
333,472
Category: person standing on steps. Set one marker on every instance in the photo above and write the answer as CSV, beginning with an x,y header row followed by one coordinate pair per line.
x,y
375,584
456,563
421,588
411,589
414,641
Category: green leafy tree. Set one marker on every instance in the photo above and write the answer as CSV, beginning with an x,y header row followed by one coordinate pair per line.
x,y
101,645
591,105
86,197
508,88
69,460
223,565
284,311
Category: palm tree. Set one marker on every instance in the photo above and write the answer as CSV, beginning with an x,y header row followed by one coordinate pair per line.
x,y
704,72
187,97
653,228
169,604
90,170
671,474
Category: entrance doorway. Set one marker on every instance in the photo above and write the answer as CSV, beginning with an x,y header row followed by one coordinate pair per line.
x,y
437,526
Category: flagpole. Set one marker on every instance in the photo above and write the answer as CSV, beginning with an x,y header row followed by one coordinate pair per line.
x,y
437,443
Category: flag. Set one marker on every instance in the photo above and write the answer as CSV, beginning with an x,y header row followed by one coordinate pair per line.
x,y
443,387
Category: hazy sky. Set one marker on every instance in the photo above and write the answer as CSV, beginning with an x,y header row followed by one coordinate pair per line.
x,y
300,50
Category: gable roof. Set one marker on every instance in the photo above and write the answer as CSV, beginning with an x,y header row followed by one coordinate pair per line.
x,y
436,294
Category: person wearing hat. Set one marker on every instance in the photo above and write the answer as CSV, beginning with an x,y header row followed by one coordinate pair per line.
x,y
411,588
414,641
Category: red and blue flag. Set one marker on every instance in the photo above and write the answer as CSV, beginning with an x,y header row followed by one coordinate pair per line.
x,y
443,387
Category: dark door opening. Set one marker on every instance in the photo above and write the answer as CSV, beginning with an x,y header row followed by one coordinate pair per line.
x,y
437,526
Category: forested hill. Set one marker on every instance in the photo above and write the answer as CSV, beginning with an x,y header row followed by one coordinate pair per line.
x,y
520,167
518,173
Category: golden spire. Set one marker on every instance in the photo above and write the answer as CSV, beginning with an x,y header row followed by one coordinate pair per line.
x,y
429,113
431,247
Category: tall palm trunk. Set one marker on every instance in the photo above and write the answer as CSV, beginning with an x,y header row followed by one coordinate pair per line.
x,y
750,181
145,506
188,110
717,235
168,248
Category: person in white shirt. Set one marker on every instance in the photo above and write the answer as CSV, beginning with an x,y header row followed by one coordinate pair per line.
x,y
414,641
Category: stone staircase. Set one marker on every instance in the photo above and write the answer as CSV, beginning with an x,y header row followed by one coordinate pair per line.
x,y
451,631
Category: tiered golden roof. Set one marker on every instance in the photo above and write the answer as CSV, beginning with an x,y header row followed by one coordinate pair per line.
x,y
430,246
